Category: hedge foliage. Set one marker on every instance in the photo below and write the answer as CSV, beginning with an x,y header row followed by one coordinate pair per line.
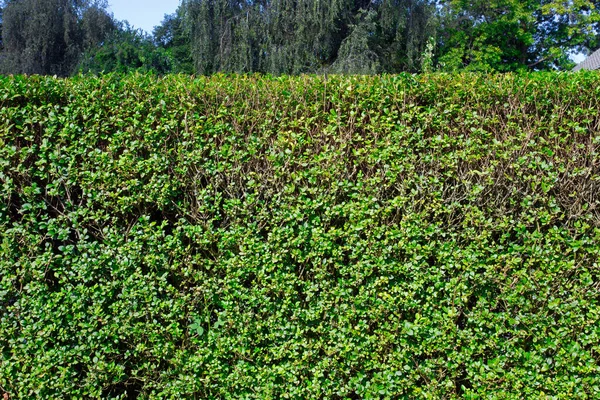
x,y
254,237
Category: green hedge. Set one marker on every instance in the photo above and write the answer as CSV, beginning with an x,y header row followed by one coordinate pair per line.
x,y
256,237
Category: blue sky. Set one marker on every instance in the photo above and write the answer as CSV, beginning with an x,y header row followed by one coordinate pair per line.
x,y
578,57
144,14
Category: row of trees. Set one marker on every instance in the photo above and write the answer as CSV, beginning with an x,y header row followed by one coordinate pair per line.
x,y
49,36
63,37
300,36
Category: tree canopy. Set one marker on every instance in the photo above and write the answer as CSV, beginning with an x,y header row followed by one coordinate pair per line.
x,y
300,36
49,36
508,35
126,49
370,36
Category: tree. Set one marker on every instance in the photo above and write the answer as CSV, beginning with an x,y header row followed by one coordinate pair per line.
x,y
300,36
171,36
356,54
405,27
308,36
125,50
508,35
563,28
1,12
49,36
223,34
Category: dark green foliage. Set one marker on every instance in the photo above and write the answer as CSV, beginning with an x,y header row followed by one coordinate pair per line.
x,y
127,50
308,36
358,36
355,54
510,35
65,37
172,36
1,45
49,36
405,27
300,36
430,236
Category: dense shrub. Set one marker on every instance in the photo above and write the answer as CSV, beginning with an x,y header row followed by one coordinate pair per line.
x,y
255,237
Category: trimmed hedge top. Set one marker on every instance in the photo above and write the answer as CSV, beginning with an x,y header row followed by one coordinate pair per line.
x,y
430,236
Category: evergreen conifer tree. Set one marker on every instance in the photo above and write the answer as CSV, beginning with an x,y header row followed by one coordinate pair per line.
x,y
49,36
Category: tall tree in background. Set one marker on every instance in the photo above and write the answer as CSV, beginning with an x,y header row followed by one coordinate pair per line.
x,y
405,27
224,34
508,35
172,37
307,36
356,53
1,12
125,50
304,35
564,27
96,24
49,36
300,36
